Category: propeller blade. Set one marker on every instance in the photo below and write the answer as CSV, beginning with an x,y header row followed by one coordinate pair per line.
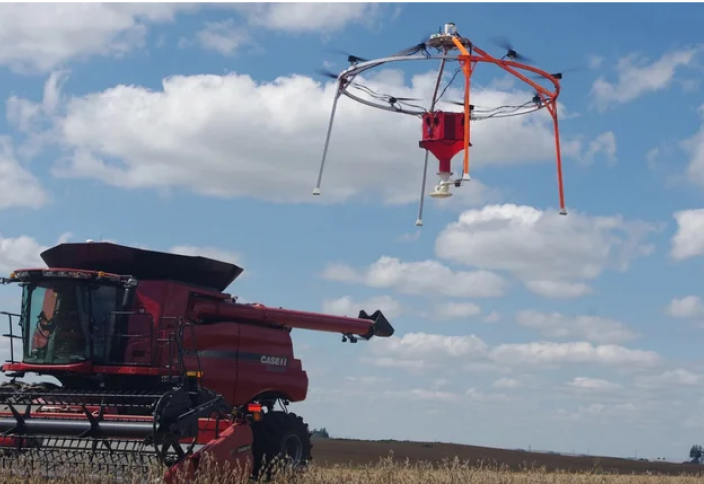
x,y
420,46
411,50
393,99
502,42
459,103
351,58
511,53
558,75
326,73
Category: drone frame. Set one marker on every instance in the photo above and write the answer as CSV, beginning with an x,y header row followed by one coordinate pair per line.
x,y
469,56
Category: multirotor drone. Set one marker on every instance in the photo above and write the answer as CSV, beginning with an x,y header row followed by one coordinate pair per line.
x,y
446,133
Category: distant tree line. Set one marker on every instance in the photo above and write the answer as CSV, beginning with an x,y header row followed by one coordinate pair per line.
x,y
321,433
696,453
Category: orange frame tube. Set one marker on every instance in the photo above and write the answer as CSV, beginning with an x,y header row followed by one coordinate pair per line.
x,y
550,103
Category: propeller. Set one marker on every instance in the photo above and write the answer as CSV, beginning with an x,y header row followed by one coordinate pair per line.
x,y
326,73
351,58
460,103
511,53
394,99
421,46
558,75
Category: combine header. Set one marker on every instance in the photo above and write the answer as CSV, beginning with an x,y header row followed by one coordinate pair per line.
x,y
156,365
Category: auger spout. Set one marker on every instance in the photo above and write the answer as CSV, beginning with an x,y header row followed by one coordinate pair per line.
x,y
365,326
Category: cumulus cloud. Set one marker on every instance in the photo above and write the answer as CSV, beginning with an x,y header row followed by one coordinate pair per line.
x,y
347,306
22,251
558,289
602,412
550,253
421,351
604,144
679,377
38,38
637,77
423,277
18,252
457,310
321,18
688,240
688,307
224,37
694,147
506,383
18,186
550,353
593,384
212,134
590,328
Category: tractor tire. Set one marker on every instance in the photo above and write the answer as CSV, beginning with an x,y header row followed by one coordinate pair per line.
x,y
280,436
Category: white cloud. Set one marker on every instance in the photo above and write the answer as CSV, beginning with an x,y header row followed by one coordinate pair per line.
x,y
601,411
593,384
672,378
223,37
506,383
605,144
39,38
18,186
549,353
590,328
493,317
595,61
637,77
688,307
456,310
347,306
22,252
422,351
559,290
423,394
423,277
688,240
321,18
694,146
212,135
543,249
19,252
34,118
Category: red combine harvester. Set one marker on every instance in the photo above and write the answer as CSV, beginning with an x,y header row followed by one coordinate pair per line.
x,y
156,365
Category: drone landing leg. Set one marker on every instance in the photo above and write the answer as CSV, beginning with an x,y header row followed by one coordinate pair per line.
x,y
553,112
419,222
316,191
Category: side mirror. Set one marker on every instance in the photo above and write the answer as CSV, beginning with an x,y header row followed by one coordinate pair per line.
x,y
130,284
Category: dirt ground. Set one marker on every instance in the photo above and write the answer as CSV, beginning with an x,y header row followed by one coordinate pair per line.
x,y
328,452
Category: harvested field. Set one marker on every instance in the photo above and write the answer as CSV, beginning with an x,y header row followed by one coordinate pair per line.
x,y
386,471
327,452
392,462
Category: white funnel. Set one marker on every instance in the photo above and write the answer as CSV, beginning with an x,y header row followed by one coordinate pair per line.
x,y
442,189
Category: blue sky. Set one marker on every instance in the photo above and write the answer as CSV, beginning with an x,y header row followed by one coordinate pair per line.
x,y
199,129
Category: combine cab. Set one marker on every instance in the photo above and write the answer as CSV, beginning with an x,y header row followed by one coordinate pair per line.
x,y
156,366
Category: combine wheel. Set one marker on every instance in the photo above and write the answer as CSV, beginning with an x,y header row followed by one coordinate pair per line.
x,y
280,436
